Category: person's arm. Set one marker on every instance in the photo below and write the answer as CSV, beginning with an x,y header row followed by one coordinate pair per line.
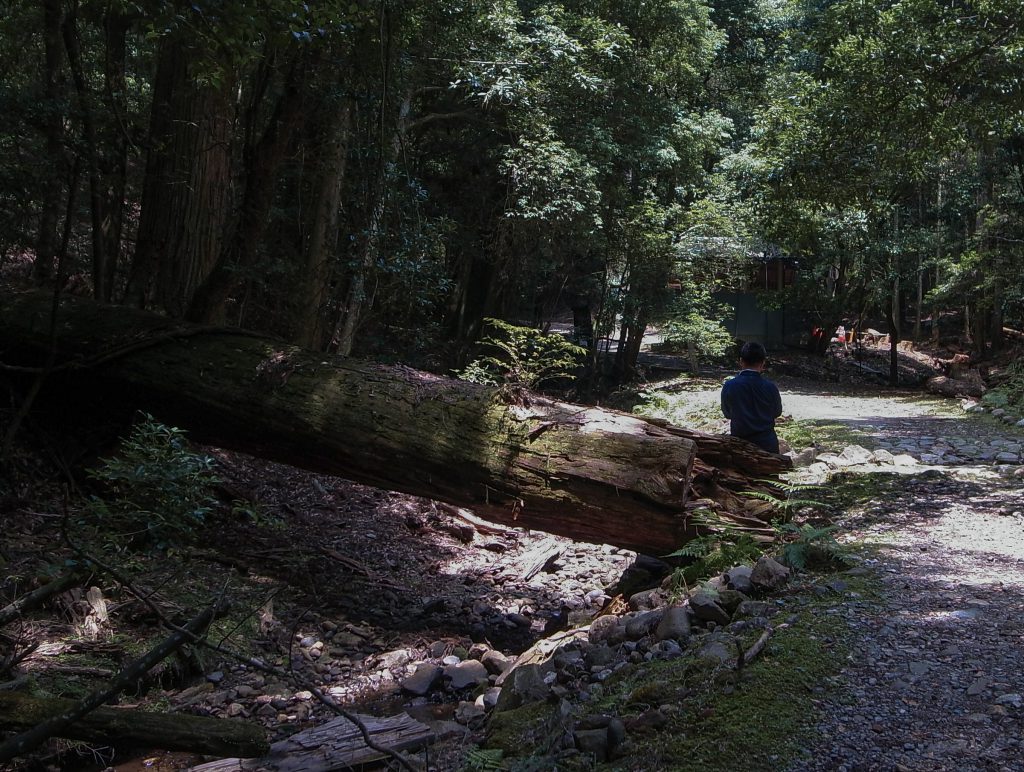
x,y
778,402
726,410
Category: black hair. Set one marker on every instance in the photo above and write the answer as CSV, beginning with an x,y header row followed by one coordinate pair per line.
x,y
753,353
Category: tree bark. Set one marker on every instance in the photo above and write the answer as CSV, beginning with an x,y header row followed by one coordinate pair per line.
x,y
262,159
187,183
101,270
312,293
53,130
587,473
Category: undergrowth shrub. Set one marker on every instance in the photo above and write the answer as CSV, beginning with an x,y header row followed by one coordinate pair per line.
x,y
523,357
156,489
1009,391
808,546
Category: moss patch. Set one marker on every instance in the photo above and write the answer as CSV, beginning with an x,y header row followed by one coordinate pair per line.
x,y
718,719
521,731
724,720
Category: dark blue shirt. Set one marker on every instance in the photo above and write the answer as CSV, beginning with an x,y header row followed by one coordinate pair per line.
x,y
752,403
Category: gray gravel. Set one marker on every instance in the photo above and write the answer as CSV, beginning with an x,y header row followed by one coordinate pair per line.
x,y
935,679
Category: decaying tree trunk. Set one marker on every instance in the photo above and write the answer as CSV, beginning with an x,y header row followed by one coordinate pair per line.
x,y
532,462
971,385
105,726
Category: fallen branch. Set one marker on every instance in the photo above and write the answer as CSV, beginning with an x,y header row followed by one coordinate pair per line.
x,y
756,648
40,595
533,562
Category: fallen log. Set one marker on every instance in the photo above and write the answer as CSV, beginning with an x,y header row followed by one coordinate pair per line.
x,y
583,472
970,386
129,727
40,595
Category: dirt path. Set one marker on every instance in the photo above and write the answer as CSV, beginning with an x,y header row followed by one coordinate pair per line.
x,y
934,680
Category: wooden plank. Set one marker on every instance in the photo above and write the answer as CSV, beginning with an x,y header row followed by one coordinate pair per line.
x,y
338,744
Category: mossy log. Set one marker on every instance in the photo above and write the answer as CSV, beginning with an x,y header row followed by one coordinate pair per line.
x,y
127,727
583,472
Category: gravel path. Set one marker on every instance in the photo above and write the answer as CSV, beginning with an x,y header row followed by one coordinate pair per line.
x,y
935,679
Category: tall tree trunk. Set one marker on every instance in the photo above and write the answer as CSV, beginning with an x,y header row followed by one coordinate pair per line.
x,y
100,269
114,142
187,184
262,160
356,300
311,297
939,253
53,129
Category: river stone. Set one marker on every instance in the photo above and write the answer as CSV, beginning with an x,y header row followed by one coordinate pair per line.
x,y
467,673
607,629
883,456
674,625
706,608
738,578
395,658
495,662
768,573
594,742
805,457
523,685
646,600
855,454
904,459
643,623
421,682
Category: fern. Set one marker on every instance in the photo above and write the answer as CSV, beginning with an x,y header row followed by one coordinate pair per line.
x,y
810,545
483,760
789,498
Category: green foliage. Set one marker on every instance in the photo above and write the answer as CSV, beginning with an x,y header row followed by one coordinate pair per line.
x,y
156,489
708,335
523,357
714,552
790,497
483,760
809,546
1009,393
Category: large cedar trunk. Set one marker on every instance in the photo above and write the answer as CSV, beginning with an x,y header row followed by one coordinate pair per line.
x,y
313,290
53,129
586,473
186,188
262,159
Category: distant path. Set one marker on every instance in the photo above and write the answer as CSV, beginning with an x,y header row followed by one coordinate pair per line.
x,y
935,680
930,429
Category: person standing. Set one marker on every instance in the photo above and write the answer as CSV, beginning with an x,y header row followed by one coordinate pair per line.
x,y
751,402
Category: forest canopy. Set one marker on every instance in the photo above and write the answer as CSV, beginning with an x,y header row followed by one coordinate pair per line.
x,y
379,177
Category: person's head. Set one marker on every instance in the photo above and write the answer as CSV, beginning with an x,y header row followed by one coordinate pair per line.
x,y
752,355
